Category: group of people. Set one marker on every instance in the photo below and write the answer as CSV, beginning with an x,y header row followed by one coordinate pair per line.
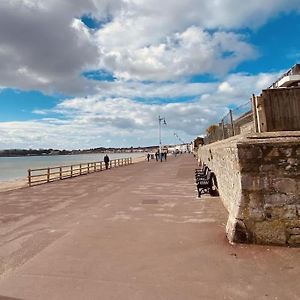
x,y
161,156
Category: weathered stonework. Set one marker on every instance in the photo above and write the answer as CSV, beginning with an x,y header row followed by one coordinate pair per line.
x,y
259,183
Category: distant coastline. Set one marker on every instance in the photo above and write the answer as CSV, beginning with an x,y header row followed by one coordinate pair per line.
x,y
51,152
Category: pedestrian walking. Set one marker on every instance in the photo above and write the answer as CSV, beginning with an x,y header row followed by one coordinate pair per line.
x,y
106,161
156,156
148,157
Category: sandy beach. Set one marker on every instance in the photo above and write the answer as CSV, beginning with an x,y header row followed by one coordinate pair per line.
x,y
21,183
12,185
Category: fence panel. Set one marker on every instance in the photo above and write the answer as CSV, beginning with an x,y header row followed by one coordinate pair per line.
x,y
231,124
282,109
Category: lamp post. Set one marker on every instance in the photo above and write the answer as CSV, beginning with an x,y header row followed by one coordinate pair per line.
x,y
160,119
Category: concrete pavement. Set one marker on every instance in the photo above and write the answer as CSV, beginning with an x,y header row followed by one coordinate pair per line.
x,y
135,232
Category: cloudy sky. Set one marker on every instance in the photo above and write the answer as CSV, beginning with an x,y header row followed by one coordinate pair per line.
x,y
89,73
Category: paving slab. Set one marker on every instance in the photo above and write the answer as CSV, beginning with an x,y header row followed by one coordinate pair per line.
x,y
135,232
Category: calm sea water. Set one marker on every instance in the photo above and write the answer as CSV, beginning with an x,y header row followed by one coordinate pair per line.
x,y
12,168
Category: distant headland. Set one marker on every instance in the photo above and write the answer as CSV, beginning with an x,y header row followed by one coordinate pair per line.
x,y
50,151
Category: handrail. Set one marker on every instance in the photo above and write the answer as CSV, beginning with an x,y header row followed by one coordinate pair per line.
x,y
36,176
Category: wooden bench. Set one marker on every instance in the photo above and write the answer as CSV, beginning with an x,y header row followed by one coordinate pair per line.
x,y
201,172
206,182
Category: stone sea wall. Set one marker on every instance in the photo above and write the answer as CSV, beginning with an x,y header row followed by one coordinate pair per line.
x,y
259,183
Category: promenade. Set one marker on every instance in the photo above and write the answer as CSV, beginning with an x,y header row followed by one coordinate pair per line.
x,y
136,233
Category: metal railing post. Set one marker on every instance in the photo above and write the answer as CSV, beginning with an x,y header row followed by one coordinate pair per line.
x,y
231,121
223,129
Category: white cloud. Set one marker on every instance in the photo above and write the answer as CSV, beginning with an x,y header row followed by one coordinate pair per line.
x,y
190,52
44,46
88,122
135,89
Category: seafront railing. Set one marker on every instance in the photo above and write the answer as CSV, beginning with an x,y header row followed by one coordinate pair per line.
x,y
44,175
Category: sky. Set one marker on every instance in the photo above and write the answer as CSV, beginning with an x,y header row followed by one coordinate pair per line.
x,y
77,74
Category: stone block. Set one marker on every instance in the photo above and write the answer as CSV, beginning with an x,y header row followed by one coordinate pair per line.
x,y
295,230
293,161
249,154
290,212
287,152
279,199
249,167
285,185
267,168
271,153
256,200
256,214
251,182
298,209
294,240
274,212
292,166
270,232
282,162
292,224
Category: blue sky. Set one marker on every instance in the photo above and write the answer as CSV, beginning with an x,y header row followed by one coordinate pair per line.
x,y
98,73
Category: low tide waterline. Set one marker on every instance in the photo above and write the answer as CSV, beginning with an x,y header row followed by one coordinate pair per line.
x,y
15,168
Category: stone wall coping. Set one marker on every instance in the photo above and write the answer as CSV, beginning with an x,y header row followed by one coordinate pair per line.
x,y
271,138
274,134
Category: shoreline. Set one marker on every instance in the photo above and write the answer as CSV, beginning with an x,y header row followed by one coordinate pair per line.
x,y
15,184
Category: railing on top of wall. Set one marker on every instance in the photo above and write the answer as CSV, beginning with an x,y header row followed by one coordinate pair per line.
x,y
230,125
44,175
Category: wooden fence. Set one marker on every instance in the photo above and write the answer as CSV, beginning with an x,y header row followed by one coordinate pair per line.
x,y
44,175
277,109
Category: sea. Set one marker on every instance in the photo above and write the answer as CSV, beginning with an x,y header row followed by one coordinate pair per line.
x,y
14,168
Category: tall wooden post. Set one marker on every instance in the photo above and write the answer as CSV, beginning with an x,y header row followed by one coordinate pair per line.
x,y
254,112
29,177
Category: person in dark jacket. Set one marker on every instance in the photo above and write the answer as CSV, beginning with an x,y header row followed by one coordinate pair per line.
x,y
106,161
